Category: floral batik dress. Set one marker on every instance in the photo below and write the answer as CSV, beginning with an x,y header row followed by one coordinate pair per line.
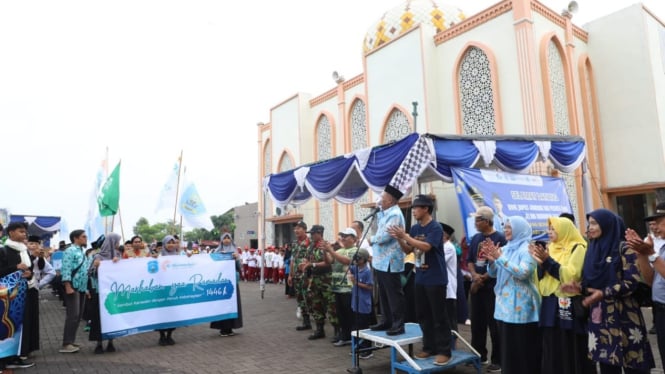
x,y
617,332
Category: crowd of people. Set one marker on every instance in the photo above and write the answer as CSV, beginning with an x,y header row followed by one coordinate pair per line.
x,y
571,304
71,272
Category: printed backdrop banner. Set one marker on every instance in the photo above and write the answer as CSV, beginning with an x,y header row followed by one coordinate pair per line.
x,y
12,303
536,198
145,294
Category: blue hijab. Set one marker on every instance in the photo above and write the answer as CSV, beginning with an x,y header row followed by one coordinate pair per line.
x,y
603,259
521,237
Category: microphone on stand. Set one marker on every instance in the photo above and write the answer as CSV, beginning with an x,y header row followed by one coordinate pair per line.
x,y
372,214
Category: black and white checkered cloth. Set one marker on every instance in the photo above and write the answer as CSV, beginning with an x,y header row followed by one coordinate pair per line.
x,y
420,155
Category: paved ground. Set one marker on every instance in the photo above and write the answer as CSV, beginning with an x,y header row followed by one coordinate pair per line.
x,y
267,344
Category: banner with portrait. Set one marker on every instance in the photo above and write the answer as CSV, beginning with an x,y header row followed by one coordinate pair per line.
x,y
534,197
146,294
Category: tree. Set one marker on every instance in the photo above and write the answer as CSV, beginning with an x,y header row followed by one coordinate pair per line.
x,y
157,231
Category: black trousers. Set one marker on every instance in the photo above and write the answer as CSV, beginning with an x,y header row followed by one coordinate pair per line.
x,y
482,318
659,323
344,314
451,313
565,352
391,297
522,352
433,319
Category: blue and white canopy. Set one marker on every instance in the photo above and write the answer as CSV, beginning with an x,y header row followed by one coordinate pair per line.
x,y
421,157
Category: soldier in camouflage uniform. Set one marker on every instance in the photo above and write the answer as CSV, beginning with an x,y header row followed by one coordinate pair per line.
x,y
320,296
297,278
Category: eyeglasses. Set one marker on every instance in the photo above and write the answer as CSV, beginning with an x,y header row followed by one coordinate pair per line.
x,y
480,219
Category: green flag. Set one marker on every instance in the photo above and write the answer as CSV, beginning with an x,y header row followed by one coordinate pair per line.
x,y
109,197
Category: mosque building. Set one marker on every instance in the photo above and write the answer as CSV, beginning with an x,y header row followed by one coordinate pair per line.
x,y
516,67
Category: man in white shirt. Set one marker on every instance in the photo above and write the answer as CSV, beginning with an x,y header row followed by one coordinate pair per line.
x,y
277,265
251,265
245,265
267,274
451,266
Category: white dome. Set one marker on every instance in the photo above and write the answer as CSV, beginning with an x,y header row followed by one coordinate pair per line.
x,y
408,15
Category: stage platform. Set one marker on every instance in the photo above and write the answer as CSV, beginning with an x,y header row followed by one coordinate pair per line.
x,y
403,361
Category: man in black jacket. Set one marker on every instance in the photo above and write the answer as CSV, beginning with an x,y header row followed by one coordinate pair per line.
x,y
14,256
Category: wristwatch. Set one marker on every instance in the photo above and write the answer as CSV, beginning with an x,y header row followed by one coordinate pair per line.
x,y
653,258
313,264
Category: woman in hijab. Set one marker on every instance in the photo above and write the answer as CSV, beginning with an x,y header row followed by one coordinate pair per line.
x,y
108,251
564,334
170,249
517,299
617,333
227,248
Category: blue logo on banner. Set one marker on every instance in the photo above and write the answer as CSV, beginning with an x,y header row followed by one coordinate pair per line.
x,y
153,267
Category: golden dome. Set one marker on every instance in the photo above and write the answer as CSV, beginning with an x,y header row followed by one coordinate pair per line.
x,y
408,15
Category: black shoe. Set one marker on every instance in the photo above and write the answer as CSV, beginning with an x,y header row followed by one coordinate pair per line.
x,y
170,341
379,327
342,343
110,348
366,355
17,363
162,341
395,331
99,349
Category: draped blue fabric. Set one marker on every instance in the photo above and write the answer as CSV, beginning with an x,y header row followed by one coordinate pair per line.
x,y
341,177
385,160
42,226
282,186
566,154
329,175
516,155
454,153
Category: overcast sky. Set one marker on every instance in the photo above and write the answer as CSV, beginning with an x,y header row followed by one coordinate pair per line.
x,y
148,79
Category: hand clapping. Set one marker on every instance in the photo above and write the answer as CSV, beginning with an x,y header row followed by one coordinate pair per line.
x,y
538,253
491,250
638,245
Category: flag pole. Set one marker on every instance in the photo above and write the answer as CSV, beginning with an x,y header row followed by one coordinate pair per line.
x,y
177,188
122,230
106,175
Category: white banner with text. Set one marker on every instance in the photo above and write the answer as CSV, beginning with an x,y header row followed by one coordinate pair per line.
x,y
146,294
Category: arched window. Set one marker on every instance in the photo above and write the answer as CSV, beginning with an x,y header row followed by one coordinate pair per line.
x,y
591,125
397,126
323,139
324,148
556,75
476,93
285,162
358,125
359,141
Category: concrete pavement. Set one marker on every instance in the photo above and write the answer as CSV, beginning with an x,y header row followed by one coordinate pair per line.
x,y
268,343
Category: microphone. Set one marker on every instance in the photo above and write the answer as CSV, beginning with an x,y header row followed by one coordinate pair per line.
x,y
372,214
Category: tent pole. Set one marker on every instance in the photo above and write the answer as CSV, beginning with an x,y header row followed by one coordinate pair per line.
x,y
262,244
